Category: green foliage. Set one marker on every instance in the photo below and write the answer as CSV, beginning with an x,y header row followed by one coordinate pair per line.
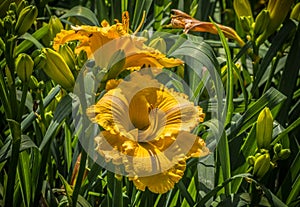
x,y
42,162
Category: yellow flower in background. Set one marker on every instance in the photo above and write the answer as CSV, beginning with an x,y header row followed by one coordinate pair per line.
x,y
147,129
92,38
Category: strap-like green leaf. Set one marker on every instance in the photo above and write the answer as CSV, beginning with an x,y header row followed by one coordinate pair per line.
x,y
85,15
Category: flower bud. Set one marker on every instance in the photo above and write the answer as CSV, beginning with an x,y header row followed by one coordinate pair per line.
x,y
246,23
261,22
40,61
33,83
284,154
251,160
159,44
261,165
26,18
13,7
68,55
55,26
57,69
264,129
277,148
24,67
278,11
8,23
242,8
21,6
295,14
118,177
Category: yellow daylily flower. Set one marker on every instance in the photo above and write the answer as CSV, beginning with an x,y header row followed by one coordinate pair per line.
x,y
147,129
93,38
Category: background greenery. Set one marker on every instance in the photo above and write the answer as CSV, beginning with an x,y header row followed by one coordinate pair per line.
x,y
39,150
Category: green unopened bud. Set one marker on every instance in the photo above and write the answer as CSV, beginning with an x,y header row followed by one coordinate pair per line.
x,y
261,22
25,19
264,129
57,69
159,44
277,148
242,8
257,155
55,26
68,55
284,154
48,117
261,165
33,83
21,6
8,23
295,14
40,61
24,67
13,7
251,160
118,177
246,23
278,11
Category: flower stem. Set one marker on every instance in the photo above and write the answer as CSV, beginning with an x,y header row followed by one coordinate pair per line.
x,y
23,99
16,132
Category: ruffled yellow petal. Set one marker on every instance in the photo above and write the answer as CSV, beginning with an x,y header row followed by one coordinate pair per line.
x,y
110,114
109,146
92,38
66,36
162,182
151,59
112,83
147,159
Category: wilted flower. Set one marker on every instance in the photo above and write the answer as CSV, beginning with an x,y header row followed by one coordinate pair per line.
x,y
147,131
188,23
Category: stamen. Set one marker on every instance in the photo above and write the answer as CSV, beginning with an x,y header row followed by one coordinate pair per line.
x,y
141,24
125,21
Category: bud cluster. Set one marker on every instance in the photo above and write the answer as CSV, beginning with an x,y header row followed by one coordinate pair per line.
x,y
268,19
265,159
18,20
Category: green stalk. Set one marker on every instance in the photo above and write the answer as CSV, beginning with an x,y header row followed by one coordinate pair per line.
x,y
271,74
4,96
16,132
83,152
22,103
79,177
13,122
10,61
229,85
